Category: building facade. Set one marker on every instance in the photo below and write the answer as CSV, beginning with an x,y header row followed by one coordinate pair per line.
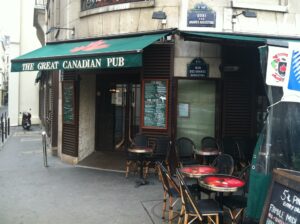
x,y
22,90
183,68
201,57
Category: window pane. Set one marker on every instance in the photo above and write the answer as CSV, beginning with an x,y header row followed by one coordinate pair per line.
x,y
196,109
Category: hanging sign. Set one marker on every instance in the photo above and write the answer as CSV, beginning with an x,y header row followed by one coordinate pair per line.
x,y
201,16
291,87
276,67
197,68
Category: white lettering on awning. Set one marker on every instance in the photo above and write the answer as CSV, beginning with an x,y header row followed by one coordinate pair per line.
x,y
47,65
28,66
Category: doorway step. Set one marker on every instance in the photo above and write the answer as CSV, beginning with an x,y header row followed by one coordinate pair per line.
x,y
105,160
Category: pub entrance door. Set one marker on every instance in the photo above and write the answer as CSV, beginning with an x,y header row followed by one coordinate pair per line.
x,y
117,113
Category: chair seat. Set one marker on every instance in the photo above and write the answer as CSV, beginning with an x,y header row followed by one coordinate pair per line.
x,y
235,201
208,206
174,193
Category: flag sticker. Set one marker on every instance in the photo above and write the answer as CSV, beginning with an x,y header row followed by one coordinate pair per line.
x,y
294,80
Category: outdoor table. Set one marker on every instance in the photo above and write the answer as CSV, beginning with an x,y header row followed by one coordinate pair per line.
x,y
141,152
207,152
221,183
197,171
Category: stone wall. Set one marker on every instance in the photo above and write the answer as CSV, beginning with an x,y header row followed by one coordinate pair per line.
x,y
86,144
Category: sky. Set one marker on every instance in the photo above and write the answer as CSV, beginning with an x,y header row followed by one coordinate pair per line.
x,y
9,18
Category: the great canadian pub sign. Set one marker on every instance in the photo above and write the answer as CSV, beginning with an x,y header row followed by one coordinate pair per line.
x,y
201,16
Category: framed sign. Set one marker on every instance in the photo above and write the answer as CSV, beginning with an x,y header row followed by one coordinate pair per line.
x,y
283,201
184,110
68,102
155,104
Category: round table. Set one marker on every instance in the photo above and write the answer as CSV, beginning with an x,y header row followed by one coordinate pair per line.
x,y
197,171
141,151
204,152
221,183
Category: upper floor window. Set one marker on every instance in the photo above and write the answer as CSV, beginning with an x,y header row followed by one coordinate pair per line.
x,y
91,4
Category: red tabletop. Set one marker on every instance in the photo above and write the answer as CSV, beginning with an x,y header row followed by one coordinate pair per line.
x,y
140,149
197,170
223,183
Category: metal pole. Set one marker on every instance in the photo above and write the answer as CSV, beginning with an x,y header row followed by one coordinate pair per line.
x,y
44,149
8,123
2,129
5,120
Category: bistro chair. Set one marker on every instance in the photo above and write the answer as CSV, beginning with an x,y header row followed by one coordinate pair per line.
x,y
210,144
161,148
185,151
231,147
236,204
192,210
132,159
224,163
171,191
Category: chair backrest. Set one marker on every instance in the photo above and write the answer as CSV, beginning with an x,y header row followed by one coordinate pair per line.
x,y
162,146
231,147
224,163
209,143
184,147
245,175
167,180
140,140
187,199
171,159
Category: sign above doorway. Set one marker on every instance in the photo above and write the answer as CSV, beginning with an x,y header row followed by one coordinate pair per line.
x,y
197,68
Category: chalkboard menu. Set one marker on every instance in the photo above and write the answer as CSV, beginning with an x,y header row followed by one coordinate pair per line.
x,y
68,102
155,104
283,202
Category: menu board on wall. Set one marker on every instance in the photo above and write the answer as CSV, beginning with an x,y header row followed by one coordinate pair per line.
x,y
283,202
68,102
155,103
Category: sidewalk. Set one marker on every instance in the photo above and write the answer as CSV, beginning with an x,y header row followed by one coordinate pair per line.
x,y
65,194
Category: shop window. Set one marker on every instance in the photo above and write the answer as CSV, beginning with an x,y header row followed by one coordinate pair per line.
x,y
196,109
91,4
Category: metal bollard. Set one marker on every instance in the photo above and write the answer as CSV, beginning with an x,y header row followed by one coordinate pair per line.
x,y
2,129
8,124
5,120
44,149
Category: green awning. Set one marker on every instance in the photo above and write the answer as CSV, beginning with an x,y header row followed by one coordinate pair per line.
x,y
119,52
233,37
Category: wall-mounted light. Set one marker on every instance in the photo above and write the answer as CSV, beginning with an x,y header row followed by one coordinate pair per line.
x,y
58,29
160,15
246,13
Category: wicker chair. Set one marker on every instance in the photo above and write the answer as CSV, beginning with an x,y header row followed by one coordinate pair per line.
x,y
192,210
171,191
132,159
185,151
236,204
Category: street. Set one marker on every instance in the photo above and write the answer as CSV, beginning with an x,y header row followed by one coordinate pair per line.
x,y
62,193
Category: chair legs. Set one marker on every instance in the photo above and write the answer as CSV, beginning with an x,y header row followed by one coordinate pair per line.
x,y
164,205
235,216
130,164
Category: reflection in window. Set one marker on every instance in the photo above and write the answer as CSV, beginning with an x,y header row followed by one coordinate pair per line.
x,y
196,109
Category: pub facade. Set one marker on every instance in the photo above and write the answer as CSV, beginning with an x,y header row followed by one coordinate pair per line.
x,y
111,69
